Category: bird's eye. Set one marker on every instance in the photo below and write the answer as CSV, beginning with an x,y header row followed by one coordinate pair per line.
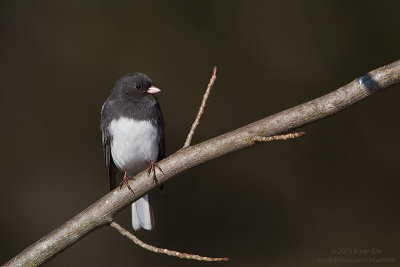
x,y
138,86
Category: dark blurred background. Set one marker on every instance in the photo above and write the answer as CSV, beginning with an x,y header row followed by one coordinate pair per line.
x,y
281,204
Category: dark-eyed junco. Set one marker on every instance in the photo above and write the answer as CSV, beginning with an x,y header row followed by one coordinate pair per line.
x,y
132,126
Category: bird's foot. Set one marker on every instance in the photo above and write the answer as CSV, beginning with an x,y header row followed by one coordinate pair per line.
x,y
125,181
152,169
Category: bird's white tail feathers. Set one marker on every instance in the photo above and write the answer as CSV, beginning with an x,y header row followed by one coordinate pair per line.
x,y
142,214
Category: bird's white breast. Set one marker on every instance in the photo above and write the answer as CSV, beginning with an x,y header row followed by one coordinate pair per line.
x,y
134,144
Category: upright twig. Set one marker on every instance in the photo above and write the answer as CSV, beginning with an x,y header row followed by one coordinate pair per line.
x,y
168,252
101,212
201,109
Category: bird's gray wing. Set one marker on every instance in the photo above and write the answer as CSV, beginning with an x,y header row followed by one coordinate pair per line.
x,y
161,144
110,166
161,147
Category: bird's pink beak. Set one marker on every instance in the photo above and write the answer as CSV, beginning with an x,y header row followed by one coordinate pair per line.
x,y
153,90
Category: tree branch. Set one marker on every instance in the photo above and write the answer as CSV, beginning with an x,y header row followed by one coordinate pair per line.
x,y
102,211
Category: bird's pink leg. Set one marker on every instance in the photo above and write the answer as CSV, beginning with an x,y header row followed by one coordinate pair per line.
x,y
152,168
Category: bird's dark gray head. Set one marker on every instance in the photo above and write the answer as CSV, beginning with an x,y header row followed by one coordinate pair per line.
x,y
134,85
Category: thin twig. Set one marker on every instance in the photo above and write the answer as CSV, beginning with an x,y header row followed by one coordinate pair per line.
x,y
277,137
168,252
201,109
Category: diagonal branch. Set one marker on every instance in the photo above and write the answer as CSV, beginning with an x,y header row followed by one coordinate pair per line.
x,y
102,211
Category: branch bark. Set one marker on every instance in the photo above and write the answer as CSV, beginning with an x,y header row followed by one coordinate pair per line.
x,y
101,212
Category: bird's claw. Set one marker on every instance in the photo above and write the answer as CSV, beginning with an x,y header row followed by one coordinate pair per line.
x,y
125,181
152,168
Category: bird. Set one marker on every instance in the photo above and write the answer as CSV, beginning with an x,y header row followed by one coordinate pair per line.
x,y
132,126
